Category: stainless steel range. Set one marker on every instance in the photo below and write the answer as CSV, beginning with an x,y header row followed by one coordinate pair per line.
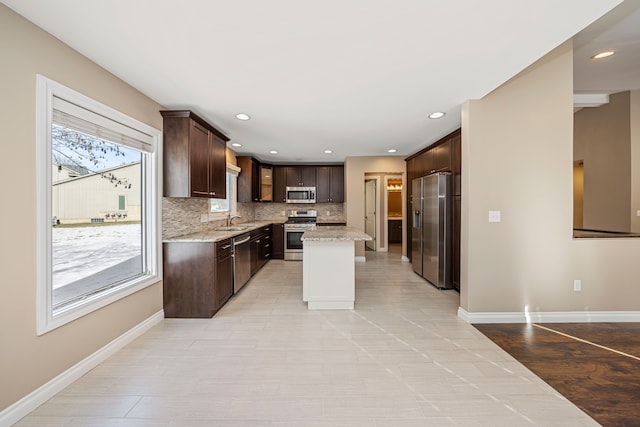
x,y
299,221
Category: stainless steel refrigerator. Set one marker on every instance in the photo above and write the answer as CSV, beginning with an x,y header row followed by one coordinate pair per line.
x,y
431,228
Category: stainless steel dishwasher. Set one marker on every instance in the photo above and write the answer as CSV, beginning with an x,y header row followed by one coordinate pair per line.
x,y
241,261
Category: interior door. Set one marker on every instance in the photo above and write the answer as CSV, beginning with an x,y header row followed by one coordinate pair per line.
x,y
370,212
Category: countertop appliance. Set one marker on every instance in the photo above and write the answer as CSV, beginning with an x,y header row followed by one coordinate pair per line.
x,y
241,261
297,223
431,228
300,195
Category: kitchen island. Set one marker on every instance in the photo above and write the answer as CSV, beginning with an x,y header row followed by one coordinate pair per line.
x,y
328,267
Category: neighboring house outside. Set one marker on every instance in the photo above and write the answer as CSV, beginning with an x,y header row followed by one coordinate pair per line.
x,y
110,195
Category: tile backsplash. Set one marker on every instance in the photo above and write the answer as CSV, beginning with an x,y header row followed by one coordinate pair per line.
x,y
182,216
279,211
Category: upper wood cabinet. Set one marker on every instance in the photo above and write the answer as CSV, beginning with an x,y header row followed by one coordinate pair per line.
x,y
330,184
279,184
248,180
301,176
255,182
195,156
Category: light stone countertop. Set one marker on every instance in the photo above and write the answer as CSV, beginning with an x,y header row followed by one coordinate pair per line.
x,y
217,235
334,233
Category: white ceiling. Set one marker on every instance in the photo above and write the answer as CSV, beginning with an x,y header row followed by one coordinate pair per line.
x,y
355,76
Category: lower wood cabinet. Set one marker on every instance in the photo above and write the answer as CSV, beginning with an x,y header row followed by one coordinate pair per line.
x,y
198,278
277,241
395,230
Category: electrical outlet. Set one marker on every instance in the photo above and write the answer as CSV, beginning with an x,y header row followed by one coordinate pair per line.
x,y
494,216
577,285
204,217
637,213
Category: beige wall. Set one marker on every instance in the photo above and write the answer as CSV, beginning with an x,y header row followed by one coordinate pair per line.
x,y
635,160
26,360
601,139
355,169
517,158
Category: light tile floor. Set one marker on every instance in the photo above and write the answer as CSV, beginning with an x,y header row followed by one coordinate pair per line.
x,y
401,358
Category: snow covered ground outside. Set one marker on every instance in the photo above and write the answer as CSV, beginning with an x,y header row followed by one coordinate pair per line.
x,y
79,252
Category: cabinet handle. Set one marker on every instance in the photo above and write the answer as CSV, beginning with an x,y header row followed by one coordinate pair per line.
x,y
201,192
226,246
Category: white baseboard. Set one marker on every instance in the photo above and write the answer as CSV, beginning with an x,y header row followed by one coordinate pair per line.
x,y
549,316
405,259
361,259
30,402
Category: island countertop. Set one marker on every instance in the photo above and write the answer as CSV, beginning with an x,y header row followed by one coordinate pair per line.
x,y
334,233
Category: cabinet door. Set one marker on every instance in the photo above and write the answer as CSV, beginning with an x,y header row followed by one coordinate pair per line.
x,y
323,184
223,284
279,184
292,174
308,176
199,160
442,156
266,183
337,184
218,167
277,241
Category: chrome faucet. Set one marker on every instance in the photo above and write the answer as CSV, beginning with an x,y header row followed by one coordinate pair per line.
x,y
230,218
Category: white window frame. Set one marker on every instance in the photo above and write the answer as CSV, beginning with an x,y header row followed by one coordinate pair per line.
x,y
232,194
46,318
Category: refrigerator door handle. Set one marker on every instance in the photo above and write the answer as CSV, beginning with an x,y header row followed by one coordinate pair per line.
x,y
416,219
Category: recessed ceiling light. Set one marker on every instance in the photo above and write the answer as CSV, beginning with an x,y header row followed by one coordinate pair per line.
x,y
392,150
236,144
436,115
273,152
604,54
328,151
243,116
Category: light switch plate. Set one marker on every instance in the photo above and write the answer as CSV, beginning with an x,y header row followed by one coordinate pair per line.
x,y
494,216
637,213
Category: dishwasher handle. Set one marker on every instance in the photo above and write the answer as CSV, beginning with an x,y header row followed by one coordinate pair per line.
x,y
245,240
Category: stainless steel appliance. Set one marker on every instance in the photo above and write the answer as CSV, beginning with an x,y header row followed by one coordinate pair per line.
x,y
299,221
301,195
431,228
241,261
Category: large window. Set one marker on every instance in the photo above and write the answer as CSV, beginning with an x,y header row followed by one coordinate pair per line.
x,y
98,205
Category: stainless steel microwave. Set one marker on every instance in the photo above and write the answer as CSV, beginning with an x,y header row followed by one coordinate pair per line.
x,y
301,195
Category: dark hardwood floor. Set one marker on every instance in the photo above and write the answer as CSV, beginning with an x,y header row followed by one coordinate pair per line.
x,y
594,365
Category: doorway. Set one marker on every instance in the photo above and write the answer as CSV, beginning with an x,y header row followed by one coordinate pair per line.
x,y
370,188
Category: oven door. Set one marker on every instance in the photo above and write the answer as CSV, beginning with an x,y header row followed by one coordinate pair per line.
x,y
293,244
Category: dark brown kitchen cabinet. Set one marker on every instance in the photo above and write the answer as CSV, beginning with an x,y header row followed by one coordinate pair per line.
x,y
266,183
195,156
330,184
395,230
255,182
279,184
260,248
300,176
198,278
248,180
277,241
223,283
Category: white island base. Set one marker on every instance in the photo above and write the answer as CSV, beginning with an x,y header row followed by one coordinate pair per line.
x,y
328,275
328,268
